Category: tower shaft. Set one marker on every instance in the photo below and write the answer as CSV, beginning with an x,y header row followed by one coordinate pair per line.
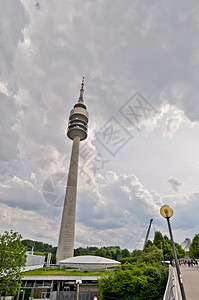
x,y
65,247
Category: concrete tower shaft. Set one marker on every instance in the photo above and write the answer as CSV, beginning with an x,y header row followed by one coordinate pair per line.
x,y
65,247
77,131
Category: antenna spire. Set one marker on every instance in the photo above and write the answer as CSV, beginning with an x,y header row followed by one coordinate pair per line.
x,y
81,91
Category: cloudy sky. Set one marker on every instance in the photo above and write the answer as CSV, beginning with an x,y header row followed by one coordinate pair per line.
x,y
140,60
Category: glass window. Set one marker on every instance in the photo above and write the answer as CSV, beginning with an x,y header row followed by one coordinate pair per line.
x,y
30,283
47,283
39,283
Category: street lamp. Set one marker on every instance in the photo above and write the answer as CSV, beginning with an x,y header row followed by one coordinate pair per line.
x,y
78,282
167,212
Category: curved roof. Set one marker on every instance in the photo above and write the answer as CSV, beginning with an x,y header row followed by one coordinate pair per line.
x,y
89,259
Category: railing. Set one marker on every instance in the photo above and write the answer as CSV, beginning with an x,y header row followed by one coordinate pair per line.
x,y
73,295
171,288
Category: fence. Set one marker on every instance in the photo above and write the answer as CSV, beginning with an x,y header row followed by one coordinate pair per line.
x,y
171,288
73,295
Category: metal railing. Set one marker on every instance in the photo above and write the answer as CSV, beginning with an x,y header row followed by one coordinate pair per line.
x,y
171,292
69,295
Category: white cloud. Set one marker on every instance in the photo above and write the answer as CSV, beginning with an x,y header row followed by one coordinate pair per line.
x,y
27,222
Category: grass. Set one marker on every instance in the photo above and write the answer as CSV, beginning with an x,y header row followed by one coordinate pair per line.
x,y
55,271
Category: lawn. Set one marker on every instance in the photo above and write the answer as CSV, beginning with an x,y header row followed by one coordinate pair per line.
x,y
55,271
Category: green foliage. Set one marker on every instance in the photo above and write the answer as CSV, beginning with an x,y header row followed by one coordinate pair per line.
x,y
136,252
126,253
134,282
148,244
12,261
112,252
56,271
128,260
180,252
151,254
39,246
164,243
156,279
121,285
194,247
158,238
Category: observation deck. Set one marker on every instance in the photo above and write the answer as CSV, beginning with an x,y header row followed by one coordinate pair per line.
x,y
78,119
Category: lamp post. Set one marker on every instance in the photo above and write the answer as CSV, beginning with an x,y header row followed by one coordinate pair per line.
x,y
78,282
167,212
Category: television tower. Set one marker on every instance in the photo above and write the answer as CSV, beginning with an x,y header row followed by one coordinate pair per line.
x,y
77,131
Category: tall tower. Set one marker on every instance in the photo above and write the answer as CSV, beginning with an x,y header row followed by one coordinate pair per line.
x,y
77,131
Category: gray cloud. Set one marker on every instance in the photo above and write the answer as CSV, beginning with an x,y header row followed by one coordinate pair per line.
x,y
175,185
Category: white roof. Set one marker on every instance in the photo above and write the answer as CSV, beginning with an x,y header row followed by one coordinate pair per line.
x,y
89,259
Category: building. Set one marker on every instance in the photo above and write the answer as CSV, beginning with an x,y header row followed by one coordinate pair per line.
x,y
186,244
33,261
77,131
58,287
89,262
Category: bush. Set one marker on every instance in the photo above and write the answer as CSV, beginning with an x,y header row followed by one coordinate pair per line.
x,y
128,259
137,282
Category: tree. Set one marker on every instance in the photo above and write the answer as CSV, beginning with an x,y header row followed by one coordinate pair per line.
x,y
151,254
158,238
149,243
126,253
164,243
179,250
12,261
167,249
194,247
136,252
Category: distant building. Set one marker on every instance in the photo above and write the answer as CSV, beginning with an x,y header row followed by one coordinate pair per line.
x,y
186,244
34,261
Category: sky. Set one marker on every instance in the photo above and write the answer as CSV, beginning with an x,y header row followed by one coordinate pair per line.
x,y
140,61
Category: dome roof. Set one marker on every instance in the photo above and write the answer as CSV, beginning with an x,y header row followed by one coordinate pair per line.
x,y
89,259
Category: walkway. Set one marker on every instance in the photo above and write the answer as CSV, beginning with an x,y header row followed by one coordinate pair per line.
x,y
190,277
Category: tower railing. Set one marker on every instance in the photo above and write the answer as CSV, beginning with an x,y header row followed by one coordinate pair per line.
x,y
171,292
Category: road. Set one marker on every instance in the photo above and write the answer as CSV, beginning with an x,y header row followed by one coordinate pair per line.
x,y
190,277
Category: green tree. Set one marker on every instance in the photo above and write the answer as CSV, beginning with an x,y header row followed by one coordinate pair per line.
x,y
100,252
12,261
158,238
136,252
151,254
39,246
126,253
129,259
194,247
79,251
179,250
167,249
164,243
148,244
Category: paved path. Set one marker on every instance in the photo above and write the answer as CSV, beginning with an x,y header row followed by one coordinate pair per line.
x,y
190,277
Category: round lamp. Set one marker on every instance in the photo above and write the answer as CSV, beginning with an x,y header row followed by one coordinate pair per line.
x,y
166,211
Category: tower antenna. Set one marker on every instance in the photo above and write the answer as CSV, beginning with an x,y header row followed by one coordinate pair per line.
x,y
81,91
